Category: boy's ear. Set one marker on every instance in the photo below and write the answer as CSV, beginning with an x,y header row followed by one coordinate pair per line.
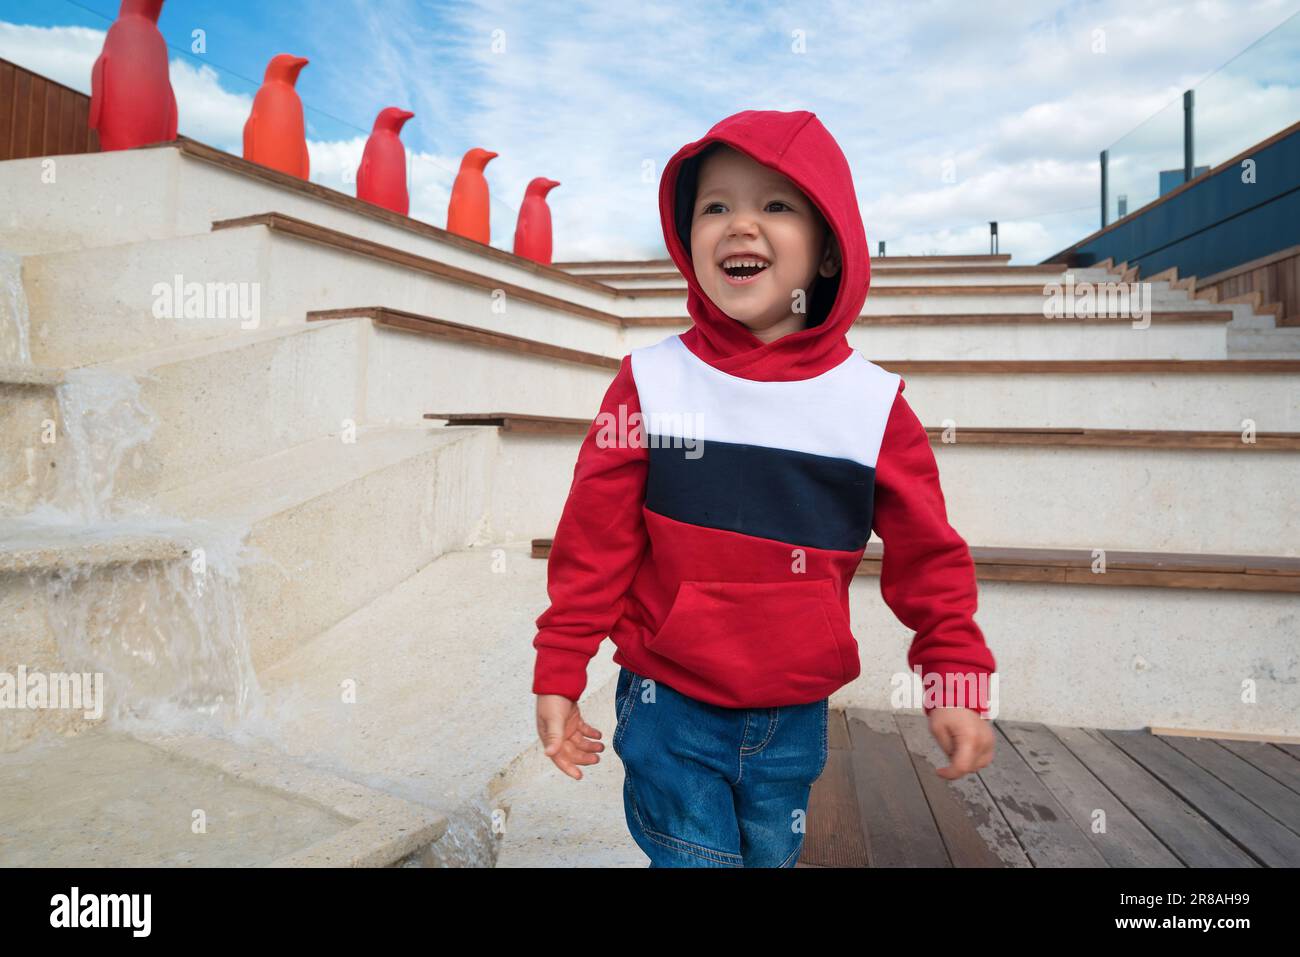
x,y
831,261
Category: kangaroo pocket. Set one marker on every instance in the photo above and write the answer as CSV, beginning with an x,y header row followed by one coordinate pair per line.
x,y
760,644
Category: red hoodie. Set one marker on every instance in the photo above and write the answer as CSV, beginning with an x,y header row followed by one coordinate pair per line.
x,y
713,524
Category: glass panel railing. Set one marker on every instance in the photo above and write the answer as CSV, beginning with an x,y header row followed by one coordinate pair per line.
x,y
1245,101
1146,163
1250,97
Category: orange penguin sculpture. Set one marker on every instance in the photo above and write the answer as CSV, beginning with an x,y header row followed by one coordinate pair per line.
x,y
131,97
533,231
275,134
381,178
467,213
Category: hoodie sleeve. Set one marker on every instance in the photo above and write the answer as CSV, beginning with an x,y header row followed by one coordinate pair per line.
x,y
598,544
927,575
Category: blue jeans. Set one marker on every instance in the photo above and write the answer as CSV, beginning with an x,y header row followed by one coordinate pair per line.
x,y
708,786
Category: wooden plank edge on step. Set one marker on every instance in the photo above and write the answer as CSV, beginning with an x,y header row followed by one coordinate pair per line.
x,y
355,245
1073,566
461,332
969,435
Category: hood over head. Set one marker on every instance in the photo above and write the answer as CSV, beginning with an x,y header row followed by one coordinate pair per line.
x,y
796,145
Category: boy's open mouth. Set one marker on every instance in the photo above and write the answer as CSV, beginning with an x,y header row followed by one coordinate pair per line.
x,y
742,269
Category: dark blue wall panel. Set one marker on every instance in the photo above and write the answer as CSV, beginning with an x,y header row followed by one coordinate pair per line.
x,y
1216,223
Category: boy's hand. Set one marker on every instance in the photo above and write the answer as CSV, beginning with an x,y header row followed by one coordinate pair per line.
x,y
566,736
965,737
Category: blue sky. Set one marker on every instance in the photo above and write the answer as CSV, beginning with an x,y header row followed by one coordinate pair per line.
x,y
951,113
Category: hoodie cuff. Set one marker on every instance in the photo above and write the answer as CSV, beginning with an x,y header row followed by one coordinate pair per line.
x,y
560,671
953,688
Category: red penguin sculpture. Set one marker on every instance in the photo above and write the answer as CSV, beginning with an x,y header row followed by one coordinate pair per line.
x,y
381,178
533,232
275,134
467,213
131,97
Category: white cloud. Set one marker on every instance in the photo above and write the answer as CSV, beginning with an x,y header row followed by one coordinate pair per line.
x,y
64,54
208,112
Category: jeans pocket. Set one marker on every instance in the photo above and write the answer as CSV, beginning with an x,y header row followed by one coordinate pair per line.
x,y
826,736
620,688
625,693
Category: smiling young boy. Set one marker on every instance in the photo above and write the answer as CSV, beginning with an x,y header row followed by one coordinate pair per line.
x,y
722,572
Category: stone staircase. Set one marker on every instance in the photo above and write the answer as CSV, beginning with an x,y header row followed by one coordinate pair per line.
x,y
303,541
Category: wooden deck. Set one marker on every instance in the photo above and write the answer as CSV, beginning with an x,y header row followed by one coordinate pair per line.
x,y
1052,797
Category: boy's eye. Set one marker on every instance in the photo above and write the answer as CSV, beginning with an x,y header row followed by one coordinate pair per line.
x,y
775,202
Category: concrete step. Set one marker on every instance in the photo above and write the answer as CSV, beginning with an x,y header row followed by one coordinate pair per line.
x,y
96,305
117,599
588,268
1177,500
396,694
207,406
931,299
1167,336
108,799
14,322
337,523
551,820
1177,400
1160,339
326,526
29,420
409,374
1031,496
1280,342
219,403
1115,657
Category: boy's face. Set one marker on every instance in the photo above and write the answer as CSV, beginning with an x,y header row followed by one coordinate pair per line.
x,y
742,206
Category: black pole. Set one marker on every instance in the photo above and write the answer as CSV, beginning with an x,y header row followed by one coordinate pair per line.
x,y
882,248
1189,154
993,237
1105,159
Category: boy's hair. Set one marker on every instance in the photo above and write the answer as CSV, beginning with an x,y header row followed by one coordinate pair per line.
x,y
822,295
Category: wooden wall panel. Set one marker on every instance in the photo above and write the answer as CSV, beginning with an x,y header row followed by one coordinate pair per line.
x,y
22,111
39,117
7,81
1276,278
